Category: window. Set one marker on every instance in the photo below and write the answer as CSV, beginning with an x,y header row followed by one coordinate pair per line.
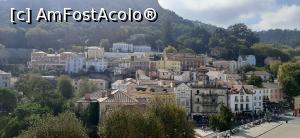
x,y
254,104
198,109
198,92
242,99
213,100
236,107
259,103
236,99
247,107
254,97
242,107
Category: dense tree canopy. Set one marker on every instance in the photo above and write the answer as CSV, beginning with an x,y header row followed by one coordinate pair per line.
x,y
65,87
65,125
255,80
289,76
163,119
223,120
8,101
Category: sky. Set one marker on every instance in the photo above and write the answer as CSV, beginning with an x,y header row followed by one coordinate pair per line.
x,y
257,14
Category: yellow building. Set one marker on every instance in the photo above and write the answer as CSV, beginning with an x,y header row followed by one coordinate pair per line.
x,y
169,65
95,52
297,106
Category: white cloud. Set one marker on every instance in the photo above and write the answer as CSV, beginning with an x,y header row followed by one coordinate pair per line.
x,y
219,12
287,17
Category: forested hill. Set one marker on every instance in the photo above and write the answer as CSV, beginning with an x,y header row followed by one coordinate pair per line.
x,y
281,37
64,35
169,29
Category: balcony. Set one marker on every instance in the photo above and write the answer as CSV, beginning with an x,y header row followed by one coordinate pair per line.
x,y
208,103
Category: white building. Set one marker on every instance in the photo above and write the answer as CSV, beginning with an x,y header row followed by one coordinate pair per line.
x,y
183,97
122,47
240,98
116,55
5,79
44,61
97,65
75,64
142,48
246,60
126,85
200,100
185,76
216,75
258,99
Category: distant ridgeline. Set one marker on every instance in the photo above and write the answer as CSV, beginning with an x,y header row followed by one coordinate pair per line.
x,y
65,35
281,37
169,29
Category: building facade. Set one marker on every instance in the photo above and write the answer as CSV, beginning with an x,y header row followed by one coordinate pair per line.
x,y
246,60
75,64
122,47
142,48
188,61
240,98
5,79
201,98
44,61
95,52
96,65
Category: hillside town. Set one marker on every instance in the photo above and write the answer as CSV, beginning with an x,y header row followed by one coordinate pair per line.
x,y
149,69
129,76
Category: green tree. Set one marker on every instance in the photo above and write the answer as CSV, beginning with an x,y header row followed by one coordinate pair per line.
x,y
130,123
286,68
170,49
255,80
162,119
221,121
13,127
65,125
65,87
274,67
29,110
51,51
33,86
105,43
85,87
172,117
8,101
291,83
243,34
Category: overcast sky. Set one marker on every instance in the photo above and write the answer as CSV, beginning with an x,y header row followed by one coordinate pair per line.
x,y
257,14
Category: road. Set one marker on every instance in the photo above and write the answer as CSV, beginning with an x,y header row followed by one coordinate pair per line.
x,y
273,130
286,130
